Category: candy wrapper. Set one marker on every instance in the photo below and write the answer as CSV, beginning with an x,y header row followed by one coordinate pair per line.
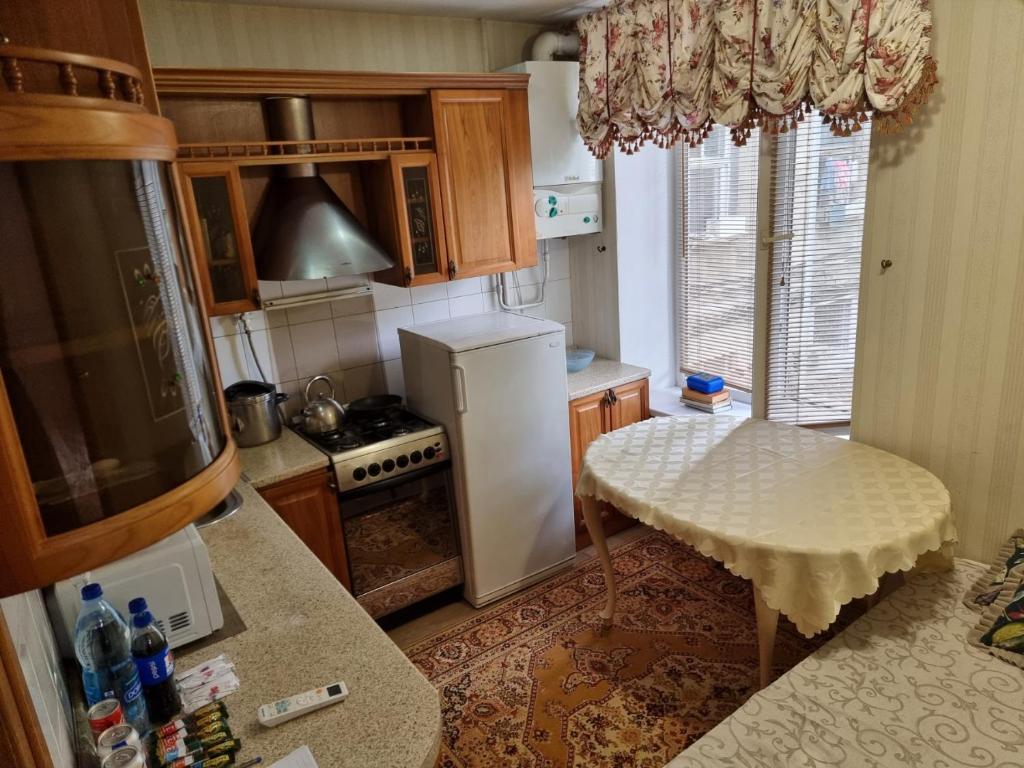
x,y
207,682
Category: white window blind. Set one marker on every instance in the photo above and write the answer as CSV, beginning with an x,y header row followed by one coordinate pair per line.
x,y
819,186
719,249
815,217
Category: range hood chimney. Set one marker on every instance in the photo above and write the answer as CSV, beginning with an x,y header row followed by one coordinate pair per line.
x,y
304,231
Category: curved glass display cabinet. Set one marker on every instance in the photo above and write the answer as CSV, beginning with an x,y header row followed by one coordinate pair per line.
x,y
112,433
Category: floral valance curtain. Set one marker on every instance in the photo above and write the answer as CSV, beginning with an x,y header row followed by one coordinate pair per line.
x,y
665,70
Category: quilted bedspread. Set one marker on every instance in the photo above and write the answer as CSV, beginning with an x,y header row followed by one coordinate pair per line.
x,y
900,687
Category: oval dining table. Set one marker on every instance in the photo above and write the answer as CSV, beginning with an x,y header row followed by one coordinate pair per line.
x,y
813,521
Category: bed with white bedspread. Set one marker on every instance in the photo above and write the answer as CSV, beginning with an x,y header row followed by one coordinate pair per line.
x,y
900,687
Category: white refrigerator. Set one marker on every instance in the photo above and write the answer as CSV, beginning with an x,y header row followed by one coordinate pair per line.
x,y
497,382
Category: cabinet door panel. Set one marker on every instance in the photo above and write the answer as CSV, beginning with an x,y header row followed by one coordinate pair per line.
x,y
483,152
631,404
419,224
588,420
309,506
219,228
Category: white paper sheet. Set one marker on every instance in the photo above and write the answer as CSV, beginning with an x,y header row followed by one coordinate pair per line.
x,y
300,758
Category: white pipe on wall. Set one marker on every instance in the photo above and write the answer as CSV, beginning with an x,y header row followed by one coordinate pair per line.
x,y
551,44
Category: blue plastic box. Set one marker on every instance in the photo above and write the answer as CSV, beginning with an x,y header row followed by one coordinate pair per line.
x,y
705,382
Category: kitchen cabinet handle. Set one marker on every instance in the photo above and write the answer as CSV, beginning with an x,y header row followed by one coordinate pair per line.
x,y
408,276
453,270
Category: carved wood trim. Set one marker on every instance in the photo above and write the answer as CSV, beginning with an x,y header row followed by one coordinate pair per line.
x,y
226,82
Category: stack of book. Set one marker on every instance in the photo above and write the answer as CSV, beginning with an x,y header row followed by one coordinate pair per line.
x,y
707,393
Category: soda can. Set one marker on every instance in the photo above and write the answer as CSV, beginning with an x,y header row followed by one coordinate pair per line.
x,y
125,757
115,737
104,714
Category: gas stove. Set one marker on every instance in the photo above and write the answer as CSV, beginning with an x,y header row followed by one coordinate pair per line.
x,y
373,447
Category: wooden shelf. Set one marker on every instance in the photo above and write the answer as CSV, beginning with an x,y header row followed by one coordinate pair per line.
x,y
310,151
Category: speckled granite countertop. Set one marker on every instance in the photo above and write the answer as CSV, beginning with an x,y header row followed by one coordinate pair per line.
x,y
303,630
603,374
288,456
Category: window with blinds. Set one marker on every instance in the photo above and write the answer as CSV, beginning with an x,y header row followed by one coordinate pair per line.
x,y
719,249
819,188
815,213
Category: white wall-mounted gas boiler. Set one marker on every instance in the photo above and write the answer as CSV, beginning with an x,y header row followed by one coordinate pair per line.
x,y
566,176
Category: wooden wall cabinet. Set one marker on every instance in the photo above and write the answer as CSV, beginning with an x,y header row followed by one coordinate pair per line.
x,y
589,418
215,206
483,148
308,504
437,167
421,253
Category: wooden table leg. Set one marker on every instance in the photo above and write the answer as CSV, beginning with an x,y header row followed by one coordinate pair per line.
x,y
767,623
592,517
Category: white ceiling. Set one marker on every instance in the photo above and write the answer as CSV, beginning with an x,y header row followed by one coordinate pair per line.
x,y
538,11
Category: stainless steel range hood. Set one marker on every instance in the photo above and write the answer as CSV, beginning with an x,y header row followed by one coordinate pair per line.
x,y
304,231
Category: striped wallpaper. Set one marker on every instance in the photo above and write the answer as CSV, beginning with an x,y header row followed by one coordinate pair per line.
x,y
940,368
204,34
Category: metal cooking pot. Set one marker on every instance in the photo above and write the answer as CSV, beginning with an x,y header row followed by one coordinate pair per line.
x,y
252,407
323,413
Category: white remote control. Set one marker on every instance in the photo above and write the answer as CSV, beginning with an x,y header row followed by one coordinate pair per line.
x,y
283,710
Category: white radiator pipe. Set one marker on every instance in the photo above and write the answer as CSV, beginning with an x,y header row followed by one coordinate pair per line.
x,y
551,44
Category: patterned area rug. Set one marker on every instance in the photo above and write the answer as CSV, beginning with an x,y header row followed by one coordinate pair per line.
x,y
534,682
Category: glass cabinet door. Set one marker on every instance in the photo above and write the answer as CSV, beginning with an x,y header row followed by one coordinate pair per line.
x,y
103,356
220,233
421,231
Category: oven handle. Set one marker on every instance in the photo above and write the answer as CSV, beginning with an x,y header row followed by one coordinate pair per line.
x,y
391,482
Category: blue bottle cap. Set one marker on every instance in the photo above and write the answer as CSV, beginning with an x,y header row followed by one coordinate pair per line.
x,y
142,619
91,591
137,605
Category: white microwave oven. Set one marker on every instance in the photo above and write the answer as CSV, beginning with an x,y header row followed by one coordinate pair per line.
x,y
175,577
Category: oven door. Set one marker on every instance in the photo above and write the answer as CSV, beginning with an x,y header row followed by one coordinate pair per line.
x,y
401,539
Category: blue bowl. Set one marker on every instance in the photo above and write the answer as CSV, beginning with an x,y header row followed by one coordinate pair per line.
x,y
578,359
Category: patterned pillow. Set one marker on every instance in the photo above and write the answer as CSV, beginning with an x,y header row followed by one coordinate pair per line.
x,y
1001,628
1008,565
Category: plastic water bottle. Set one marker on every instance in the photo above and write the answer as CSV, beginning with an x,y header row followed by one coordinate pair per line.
x,y
102,646
155,662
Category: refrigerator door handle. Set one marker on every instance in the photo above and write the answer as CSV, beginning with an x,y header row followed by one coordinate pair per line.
x,y
459,387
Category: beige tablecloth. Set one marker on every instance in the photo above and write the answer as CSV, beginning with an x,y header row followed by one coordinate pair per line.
x,y
900,687
812,520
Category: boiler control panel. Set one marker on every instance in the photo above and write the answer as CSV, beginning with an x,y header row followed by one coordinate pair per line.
x,y
568,209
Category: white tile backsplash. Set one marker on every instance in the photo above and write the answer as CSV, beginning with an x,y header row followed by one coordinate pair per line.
x,y
433,292
309,313
315,348
430,312
467,305
356,337
463,287
389,296
355,340
388,323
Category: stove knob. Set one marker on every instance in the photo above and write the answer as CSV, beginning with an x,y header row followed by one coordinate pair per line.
x,y
389,465
402,461
358,474
373,469
428,453
416,457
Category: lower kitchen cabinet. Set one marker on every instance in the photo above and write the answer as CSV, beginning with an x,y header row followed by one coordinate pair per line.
x,y
589,418
308,504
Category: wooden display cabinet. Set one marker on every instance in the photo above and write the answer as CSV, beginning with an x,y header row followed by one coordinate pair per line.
x,y
308,504
112,434
589,418
420,226
215,206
